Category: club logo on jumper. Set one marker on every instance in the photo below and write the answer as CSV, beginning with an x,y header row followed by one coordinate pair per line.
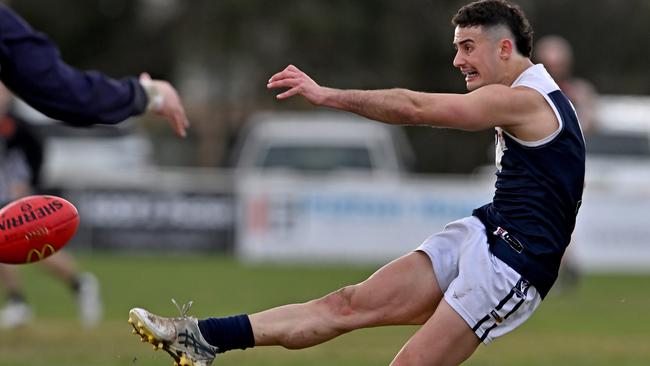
x,y
501,147
508,238
30,214
36,255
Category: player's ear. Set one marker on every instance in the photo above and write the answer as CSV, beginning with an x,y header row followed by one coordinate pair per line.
x,y
506,47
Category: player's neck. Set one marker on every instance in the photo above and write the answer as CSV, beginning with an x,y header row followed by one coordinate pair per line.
x,y
517,67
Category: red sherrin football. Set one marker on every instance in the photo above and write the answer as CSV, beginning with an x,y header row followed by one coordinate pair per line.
x,y
35,227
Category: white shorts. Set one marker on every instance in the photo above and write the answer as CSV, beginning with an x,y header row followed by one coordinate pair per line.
x,y
492,297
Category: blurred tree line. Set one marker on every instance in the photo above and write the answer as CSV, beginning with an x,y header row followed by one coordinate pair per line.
x,y
220,54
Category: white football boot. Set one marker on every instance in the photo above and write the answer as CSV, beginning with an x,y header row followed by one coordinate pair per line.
x,y
15,314
180,337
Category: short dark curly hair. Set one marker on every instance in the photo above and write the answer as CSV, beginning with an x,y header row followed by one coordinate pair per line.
x,y
498,12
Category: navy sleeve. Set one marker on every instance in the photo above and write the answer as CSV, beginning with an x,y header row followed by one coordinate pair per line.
x,y
31,67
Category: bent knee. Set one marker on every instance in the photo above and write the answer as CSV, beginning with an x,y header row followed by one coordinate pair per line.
x,y
340,303
342,309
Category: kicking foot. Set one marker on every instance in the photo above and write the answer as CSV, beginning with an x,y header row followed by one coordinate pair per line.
x,y
180,337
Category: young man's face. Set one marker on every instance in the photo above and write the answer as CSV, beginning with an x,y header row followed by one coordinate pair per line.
x,y
477,57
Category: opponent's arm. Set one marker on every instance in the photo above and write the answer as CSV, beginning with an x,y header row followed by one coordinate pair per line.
x,y
31,66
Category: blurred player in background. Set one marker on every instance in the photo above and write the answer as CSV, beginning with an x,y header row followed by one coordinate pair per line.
x,y
483,275
556,54
21,157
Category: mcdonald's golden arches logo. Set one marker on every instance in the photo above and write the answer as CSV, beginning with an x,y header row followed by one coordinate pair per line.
x,y
36,255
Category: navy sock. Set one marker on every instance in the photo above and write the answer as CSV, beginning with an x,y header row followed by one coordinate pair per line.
x,y
233,332
16,296
75,284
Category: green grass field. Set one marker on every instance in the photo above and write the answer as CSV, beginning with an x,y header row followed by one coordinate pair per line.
x,y
604,322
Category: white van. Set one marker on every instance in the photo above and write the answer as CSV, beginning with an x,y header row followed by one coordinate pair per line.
x,y
321,142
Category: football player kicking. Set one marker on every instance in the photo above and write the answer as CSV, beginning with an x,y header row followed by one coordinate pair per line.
x,y
483,275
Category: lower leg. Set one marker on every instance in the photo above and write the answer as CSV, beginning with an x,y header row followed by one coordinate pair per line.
x,y
63,267
292,326
377,301
84,286
11,282
299,325
16,312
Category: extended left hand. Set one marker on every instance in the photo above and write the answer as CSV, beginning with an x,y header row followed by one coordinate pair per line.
x,y
298,83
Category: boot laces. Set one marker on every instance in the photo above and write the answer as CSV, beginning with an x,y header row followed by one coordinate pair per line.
x,y
183,309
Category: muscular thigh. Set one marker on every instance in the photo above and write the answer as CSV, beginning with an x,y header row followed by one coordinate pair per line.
x,y
404,291
445,339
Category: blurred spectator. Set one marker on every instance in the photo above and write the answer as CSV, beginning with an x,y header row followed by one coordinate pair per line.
x,y
21,155
556,54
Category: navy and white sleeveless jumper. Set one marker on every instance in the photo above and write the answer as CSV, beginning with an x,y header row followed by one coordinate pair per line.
x,y
538,190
